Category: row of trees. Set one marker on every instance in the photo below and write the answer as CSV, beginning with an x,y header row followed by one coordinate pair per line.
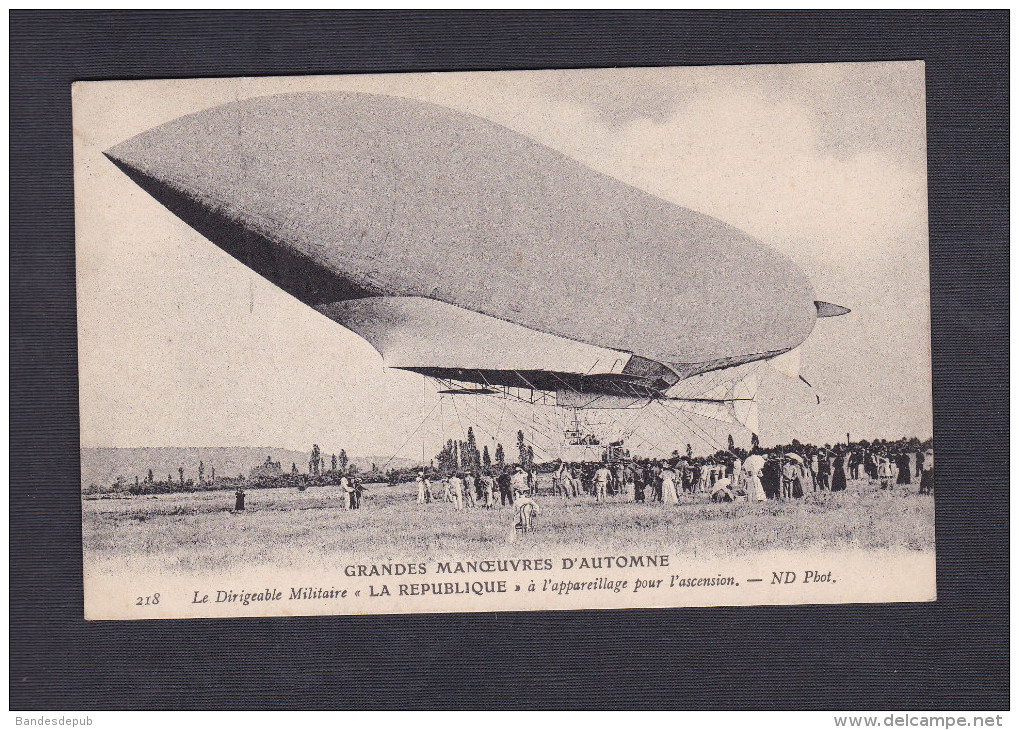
x,y
338,464
151,479
317,464
457,455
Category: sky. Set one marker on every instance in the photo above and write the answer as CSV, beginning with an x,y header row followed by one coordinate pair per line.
x,y
180,345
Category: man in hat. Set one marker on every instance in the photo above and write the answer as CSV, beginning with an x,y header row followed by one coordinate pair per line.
x,y
518,482
487,483
470,489
885,472
602,477
345,490
561,481
790,472
505,488
823,471
524,510
455,490
423,495
927,475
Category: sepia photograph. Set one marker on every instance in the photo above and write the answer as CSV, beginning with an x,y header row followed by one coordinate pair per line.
x,y
504,341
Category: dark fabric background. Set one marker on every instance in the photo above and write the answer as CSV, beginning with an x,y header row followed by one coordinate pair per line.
x,y
951,654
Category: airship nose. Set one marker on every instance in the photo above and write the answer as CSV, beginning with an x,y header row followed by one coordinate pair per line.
x,y
199,174
122,162
144,159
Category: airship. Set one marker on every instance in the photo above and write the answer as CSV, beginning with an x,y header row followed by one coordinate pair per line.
x,y
470,253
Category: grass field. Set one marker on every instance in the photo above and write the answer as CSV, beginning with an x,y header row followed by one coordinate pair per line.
x,y
284,528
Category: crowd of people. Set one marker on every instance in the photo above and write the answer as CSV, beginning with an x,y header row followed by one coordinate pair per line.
x,y
765,474
490,488
779,473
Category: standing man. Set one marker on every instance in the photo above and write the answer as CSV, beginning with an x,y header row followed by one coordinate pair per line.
x,y
356,488
345,491
575,485
505,492
639,474
488,488
455,489
655,483
789,475
519,482
927,477
602,477
620,478
558,479
885,473
823,472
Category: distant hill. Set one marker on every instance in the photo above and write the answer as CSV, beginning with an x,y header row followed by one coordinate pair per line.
x,y
102,466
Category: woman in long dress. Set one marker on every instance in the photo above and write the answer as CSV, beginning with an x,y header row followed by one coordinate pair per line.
x,y
902,462
752,478
806,480
757,488
838,474
669,487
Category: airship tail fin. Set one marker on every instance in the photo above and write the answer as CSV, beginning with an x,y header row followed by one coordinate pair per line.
x,y
788,363
827,309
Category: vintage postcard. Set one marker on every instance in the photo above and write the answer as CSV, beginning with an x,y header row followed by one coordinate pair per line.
x,y
611,338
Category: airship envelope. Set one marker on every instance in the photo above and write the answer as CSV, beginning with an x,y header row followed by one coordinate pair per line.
x,y
462,249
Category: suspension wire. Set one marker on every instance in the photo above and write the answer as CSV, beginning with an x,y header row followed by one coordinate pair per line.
x,y
645,440
502,422
481,425
501,415
704,435
542,430
442,418
631,428
528,441
670,428
548,422
456,410
480,420
495,436
423,381
693,429
412,433
693,434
